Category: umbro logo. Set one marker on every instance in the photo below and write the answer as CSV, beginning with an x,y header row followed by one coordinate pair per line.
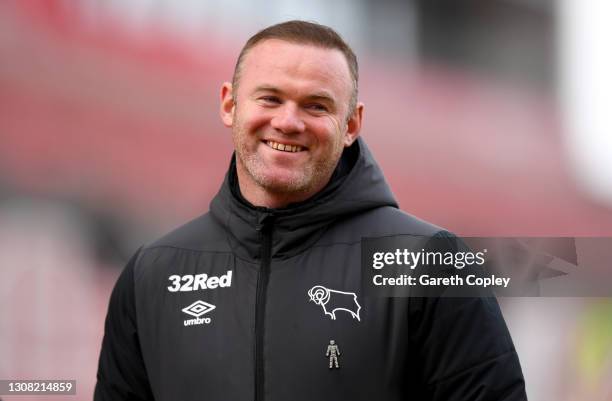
x,y
197,309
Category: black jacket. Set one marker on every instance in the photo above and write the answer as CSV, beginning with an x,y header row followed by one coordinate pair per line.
x,y
242,303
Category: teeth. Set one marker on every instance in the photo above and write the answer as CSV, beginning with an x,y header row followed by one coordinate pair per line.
x,y
284,148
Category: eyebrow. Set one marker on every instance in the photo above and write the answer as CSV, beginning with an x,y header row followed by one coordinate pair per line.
x,y
320,95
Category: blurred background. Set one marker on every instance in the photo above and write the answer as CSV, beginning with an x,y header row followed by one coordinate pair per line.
x,y
488,117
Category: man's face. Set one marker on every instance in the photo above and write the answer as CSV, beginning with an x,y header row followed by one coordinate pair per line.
x,y
289,117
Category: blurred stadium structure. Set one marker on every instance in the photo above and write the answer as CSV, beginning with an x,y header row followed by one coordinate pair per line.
x,y
110,136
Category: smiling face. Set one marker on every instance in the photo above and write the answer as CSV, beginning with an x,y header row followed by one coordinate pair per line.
x,y
289,120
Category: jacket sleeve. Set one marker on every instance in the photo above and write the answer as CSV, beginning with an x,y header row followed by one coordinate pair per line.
x,y
121,370
463,350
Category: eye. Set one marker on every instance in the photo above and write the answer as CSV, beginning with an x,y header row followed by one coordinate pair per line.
x,y
270,100
318,107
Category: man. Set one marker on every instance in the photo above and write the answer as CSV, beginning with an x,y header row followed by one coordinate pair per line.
x,y
221,308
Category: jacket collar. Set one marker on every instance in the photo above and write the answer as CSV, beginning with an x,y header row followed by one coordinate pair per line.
x,y
356,186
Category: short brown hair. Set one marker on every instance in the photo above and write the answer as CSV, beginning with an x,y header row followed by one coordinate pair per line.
x,y
303,32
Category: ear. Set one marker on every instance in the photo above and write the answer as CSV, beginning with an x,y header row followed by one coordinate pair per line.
x,y
227,105
353,125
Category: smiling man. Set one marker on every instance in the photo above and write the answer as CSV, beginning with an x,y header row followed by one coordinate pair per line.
x,y
243,302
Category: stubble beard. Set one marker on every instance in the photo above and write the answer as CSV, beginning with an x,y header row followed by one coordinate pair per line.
x,y
311,177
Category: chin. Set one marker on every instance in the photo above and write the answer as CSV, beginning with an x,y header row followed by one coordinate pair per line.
x,y
290,183
286,186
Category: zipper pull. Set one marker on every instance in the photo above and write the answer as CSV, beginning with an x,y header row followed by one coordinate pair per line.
x,y
264,220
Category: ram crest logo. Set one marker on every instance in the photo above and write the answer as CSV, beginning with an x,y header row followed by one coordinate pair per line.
x,y
332,301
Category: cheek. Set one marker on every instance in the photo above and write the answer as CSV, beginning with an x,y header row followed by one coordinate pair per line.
x,y
250,120
329,130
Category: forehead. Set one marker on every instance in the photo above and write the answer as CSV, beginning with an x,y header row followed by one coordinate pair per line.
x,y
299,66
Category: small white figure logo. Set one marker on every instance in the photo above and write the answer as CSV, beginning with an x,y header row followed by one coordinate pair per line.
x,y
332,301
333,352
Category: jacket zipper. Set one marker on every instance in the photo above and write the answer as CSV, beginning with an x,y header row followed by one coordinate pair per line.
x,y
265,228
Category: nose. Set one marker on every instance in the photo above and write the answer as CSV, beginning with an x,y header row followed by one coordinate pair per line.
x,y
287,120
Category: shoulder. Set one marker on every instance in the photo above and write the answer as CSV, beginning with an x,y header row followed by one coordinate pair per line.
x,y
380,222
201,241
202,234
